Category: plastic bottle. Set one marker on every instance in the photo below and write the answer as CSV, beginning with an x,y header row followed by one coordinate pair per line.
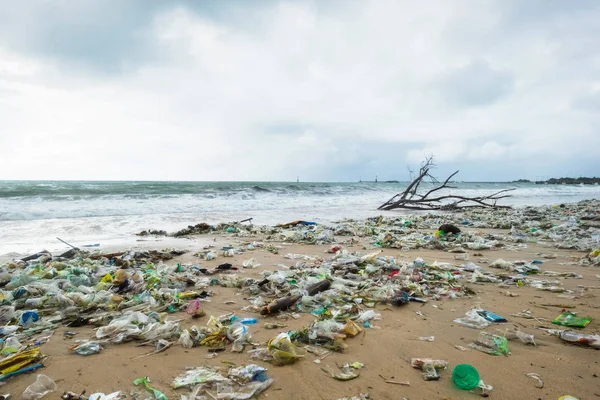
x,y
580,338
497,344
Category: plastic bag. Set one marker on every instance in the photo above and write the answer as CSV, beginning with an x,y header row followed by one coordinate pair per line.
x,y
351,328
282,350
102,396
246,373
185,340
251,263
368,315
87,348
145,381
11,346
473,320
502,264
571,319
198,375
38,389
247,391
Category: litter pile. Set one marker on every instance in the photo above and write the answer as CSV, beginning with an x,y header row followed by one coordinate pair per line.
x,y
133,296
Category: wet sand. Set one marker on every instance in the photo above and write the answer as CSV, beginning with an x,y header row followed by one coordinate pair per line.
x,y
384,349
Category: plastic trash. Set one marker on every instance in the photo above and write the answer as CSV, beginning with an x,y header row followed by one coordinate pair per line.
x,y
247,373
8,330
251,263
87,348
347,373
28,318
102,396
592,341
522,336
185,339
38,389
11,346
282,349
400,299
427,338
473,320
145,381
198,375
429,367
194,308
244,321
490,316
246,391
351,328
491,344
568,318
368,316
236,331
539,382
465,377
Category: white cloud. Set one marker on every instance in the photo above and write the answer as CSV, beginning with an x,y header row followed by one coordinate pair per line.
x,y
308,88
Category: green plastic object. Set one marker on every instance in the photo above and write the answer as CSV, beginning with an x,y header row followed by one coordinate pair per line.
x,y
570,319
145,381
465,377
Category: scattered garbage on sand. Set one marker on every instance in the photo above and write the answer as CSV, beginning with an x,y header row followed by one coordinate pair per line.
x,y
311,306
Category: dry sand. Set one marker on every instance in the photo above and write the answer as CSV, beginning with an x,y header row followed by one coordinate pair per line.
x,y
565,369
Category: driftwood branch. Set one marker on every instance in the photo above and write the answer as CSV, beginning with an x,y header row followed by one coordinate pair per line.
x,y
412,200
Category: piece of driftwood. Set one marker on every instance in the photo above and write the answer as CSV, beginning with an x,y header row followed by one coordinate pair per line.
x,y
411,199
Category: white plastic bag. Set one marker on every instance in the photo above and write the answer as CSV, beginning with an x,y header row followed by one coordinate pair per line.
x,y
473,320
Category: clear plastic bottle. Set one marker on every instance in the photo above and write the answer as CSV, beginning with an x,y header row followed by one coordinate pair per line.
x,y
498,344
580,338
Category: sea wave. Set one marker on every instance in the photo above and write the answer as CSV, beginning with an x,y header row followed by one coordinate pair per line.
x,y
46,200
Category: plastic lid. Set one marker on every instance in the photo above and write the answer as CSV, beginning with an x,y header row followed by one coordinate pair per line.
x,y
465,376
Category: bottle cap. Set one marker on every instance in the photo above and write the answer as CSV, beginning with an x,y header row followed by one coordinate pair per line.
x,y
465,377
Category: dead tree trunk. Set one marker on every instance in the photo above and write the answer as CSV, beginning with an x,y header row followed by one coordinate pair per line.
x,y
412,200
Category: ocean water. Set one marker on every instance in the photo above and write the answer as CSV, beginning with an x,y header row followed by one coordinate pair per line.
x,y
34,213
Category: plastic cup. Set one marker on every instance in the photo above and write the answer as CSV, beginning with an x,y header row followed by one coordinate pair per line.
x,y
465,377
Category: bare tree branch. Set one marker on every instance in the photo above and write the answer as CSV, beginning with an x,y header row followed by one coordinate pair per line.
x,y
411,200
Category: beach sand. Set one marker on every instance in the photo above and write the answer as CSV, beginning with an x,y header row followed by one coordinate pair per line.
x,y
385,350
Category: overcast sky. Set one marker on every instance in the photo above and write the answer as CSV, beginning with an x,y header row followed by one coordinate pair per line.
x,y
327,90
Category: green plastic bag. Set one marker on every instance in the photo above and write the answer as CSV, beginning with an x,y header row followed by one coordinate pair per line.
x,y
570,319
158,395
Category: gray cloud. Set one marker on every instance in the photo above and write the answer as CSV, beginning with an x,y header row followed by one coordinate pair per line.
x,y
476,84
111,36
269,90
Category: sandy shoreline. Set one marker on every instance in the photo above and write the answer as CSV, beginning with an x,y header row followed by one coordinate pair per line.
x,y
383,349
